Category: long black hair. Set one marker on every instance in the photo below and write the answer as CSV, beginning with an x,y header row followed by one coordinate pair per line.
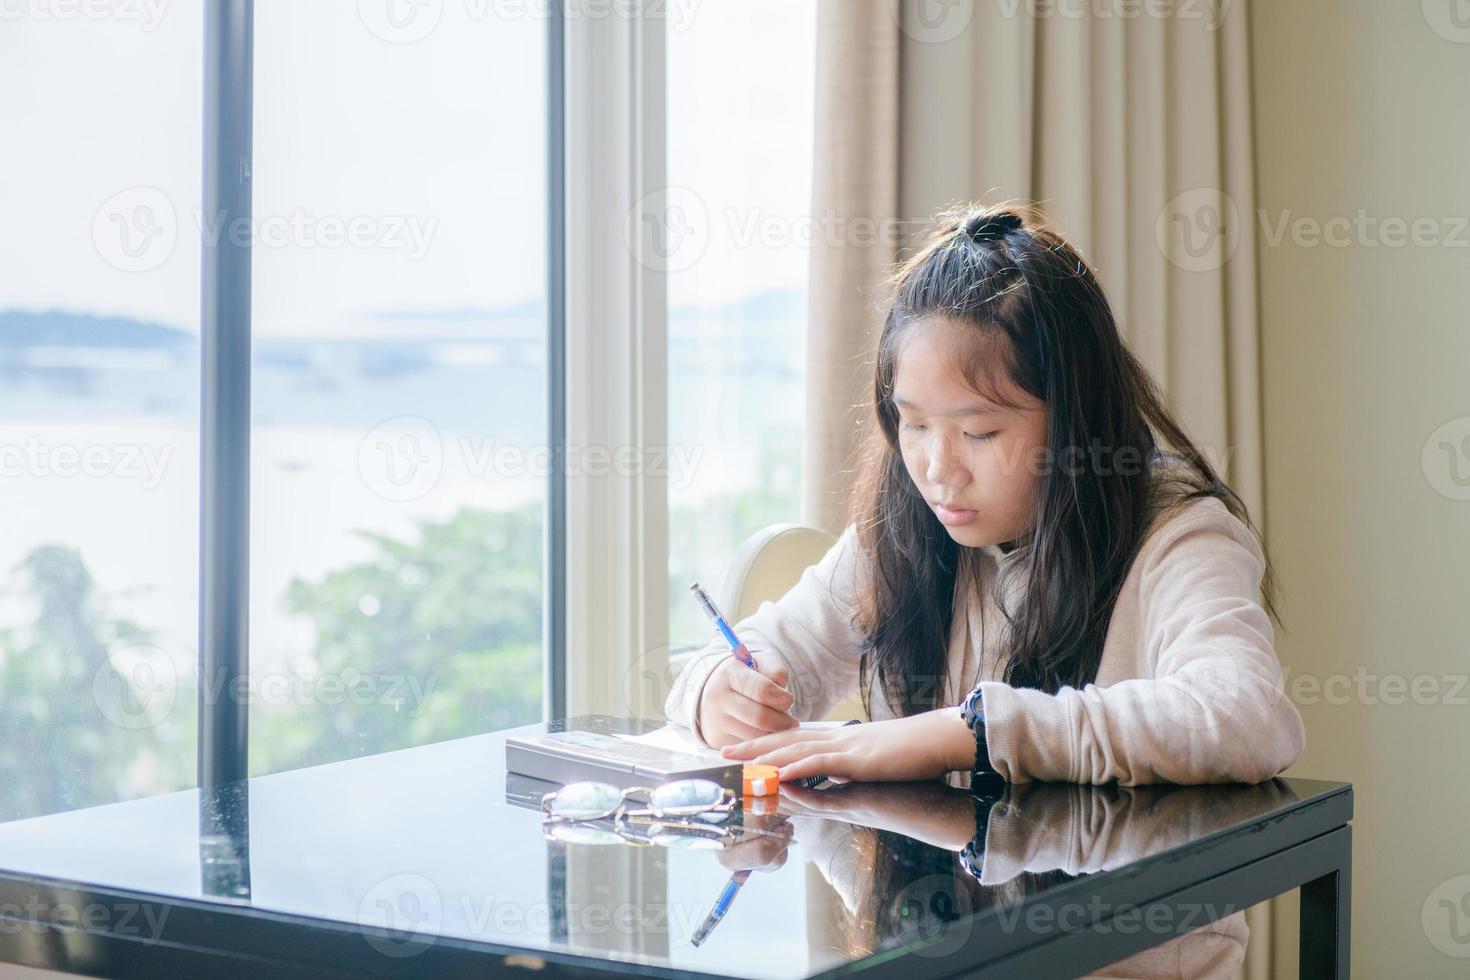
x,y
1037,313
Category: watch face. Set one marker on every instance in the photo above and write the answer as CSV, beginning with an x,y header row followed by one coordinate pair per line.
x,y
972,703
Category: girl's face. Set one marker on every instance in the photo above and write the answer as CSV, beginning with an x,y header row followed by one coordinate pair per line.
x,y
973,461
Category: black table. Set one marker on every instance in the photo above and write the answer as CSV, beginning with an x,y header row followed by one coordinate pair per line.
x,y
432,862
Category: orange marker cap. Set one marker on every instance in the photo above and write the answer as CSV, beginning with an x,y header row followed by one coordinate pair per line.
x,y
761,780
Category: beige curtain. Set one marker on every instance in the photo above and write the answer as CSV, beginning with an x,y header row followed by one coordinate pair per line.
x,y
1132,132
856,189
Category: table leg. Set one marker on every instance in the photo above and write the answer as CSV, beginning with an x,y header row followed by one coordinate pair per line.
x,y
1325,918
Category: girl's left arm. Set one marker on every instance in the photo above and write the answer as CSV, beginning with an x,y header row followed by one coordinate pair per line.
x,y
1213,711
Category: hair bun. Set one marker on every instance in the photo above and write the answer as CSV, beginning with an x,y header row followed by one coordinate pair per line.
x,y
987,226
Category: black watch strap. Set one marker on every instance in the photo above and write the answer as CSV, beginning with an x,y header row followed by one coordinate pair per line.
x,y
986,793
974,715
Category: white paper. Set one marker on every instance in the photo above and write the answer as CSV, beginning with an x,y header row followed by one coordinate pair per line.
x,y
681,739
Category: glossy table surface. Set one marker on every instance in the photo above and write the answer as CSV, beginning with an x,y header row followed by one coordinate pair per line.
x,y
432,859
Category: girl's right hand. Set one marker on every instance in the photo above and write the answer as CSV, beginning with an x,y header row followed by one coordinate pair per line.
x,y
739,703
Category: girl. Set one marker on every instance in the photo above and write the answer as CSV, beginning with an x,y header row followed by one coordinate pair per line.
x,y
1032,526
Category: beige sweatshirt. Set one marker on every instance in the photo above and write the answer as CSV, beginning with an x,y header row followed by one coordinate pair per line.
x,y
1189,689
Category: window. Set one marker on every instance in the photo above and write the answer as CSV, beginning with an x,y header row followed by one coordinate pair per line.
x,y
410,383
739,165
99,355
399,314
400,382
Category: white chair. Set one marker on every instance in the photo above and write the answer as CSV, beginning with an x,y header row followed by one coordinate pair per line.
x,y
767,564
765,567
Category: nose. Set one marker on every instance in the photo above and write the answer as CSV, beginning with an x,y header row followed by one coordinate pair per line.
x,y
944,466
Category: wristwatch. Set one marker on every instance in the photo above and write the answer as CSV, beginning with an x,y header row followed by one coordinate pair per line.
x,y
973,712
987,792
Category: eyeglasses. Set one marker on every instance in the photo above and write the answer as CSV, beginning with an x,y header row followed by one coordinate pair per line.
x,y
578,802
683,814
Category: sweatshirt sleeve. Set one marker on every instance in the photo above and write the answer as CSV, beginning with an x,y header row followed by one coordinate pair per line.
x,y
1215,708
811,628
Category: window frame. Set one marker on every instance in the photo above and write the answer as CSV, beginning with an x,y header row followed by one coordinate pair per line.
x,y
616,562
225,388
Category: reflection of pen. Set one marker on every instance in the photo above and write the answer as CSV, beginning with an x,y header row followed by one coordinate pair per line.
x,y
722,905
812,782
718,618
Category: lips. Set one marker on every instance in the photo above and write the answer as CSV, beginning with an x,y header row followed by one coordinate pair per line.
x,y
953,516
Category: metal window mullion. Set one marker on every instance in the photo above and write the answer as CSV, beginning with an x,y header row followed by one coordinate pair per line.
x,y
224,478
554,698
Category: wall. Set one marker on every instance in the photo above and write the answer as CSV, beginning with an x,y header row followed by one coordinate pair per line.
x,y
1366,352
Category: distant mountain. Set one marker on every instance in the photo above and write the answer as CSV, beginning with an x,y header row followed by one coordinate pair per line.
x,y
529,310
59,328
438,364
776,305
62,328
781,305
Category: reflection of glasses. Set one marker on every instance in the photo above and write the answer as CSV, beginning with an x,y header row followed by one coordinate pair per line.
x,y
643,832
681,798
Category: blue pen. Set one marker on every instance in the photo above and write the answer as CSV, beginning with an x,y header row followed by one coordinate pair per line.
x,y
812,782
743,655
722,905
718,618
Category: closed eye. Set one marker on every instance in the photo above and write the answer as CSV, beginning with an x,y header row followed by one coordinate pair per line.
x,y
988,435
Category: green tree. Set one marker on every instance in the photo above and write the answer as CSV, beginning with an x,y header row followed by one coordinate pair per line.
x,y
702,537
75,732
452,619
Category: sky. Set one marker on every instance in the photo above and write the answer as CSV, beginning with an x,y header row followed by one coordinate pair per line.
x,y
421,133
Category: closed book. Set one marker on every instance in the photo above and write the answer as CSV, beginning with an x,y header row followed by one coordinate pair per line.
x,y
598,747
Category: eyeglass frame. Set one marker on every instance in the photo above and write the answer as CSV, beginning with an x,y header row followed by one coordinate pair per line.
x,y
727,803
